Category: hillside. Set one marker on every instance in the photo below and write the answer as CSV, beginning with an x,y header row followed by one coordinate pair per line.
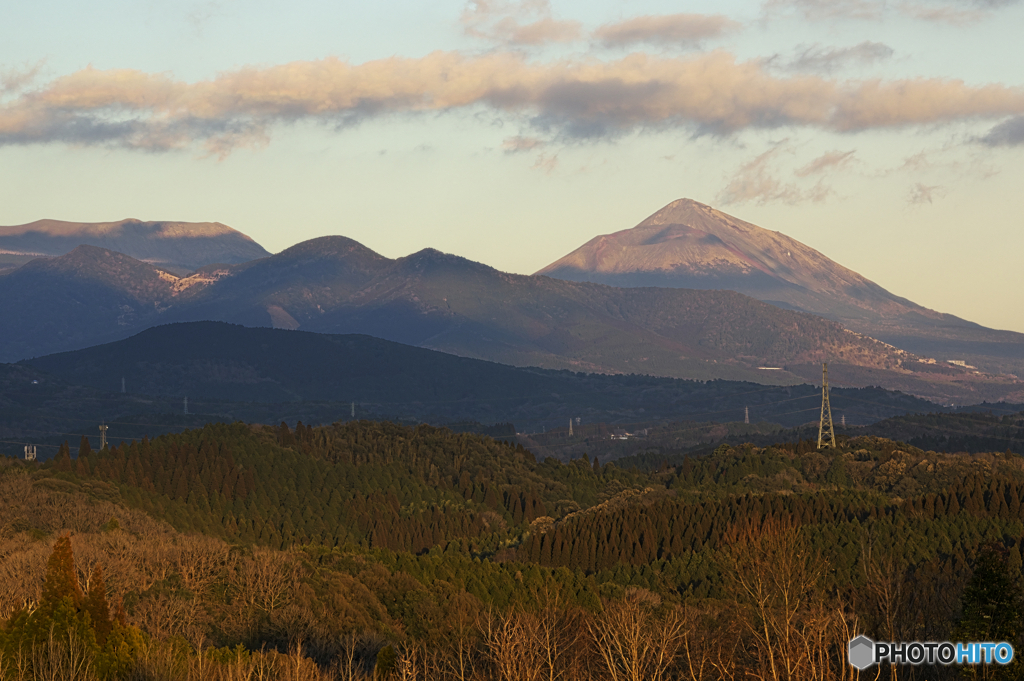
x,y
690,245
178,247
383,548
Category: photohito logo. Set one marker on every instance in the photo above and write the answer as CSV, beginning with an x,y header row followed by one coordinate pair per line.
x,y
864,652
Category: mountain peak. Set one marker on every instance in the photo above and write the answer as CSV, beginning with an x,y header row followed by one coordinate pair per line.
x,y
333,246
688,244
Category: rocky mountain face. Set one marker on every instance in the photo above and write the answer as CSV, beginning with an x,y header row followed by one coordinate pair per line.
x,y
178,247
443,302
687,244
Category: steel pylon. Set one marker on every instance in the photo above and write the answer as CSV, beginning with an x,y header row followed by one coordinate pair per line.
x,y
826,433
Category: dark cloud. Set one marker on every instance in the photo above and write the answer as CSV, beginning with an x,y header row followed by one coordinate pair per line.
x,y
1009,133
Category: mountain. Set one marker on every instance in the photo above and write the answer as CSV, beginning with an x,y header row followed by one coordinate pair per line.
x,y
687,244
447,303
179,247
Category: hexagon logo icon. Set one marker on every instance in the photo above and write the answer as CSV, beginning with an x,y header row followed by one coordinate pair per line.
x,y
862,652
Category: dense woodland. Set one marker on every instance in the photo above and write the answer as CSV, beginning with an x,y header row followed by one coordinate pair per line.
x,y
373,550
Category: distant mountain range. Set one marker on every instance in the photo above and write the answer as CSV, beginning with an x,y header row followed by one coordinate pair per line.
x,y
178,247
690,245
444,302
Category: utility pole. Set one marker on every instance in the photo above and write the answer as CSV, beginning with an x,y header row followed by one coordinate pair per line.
x,y
103,437
746,414
570,426
843,420
353,410
122,384
186,405
825,425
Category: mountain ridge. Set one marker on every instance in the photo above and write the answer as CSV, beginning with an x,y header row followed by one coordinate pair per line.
x,y
179,247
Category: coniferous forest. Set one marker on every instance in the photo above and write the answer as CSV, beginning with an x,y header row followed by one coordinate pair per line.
x,y
369,550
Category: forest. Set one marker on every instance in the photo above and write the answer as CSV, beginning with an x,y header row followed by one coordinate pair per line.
x,y
373,550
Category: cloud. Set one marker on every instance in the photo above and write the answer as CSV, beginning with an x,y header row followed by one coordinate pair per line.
x,y
831,160
1009,133
818,10
818,59
955,12
546,163
514,145
669,29
16,79
575,98
528,22
921,193
945,14
757,182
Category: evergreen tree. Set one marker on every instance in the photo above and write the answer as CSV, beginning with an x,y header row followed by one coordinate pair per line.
x,y
992,607
62,462
96,606
61,580
84,448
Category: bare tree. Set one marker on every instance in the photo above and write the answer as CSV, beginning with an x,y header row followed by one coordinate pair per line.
x,y
200,561
511,646
635,641
791,625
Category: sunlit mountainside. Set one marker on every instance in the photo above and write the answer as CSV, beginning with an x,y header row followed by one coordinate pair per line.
x,y
688,244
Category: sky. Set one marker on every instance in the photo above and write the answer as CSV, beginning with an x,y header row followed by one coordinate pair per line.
x,y
887,134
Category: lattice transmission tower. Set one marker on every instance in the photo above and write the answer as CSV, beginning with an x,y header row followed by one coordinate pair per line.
x,y
826,433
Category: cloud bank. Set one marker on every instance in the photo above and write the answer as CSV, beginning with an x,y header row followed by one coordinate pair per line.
x,y
581,98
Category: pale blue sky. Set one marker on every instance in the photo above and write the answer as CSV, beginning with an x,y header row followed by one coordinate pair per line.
x,y
888,135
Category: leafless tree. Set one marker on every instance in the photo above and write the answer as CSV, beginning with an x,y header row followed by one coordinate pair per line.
x,y
636,642
791,623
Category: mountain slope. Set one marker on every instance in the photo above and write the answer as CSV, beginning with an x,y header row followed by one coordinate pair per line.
x,y
91,295
690,245
180,247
